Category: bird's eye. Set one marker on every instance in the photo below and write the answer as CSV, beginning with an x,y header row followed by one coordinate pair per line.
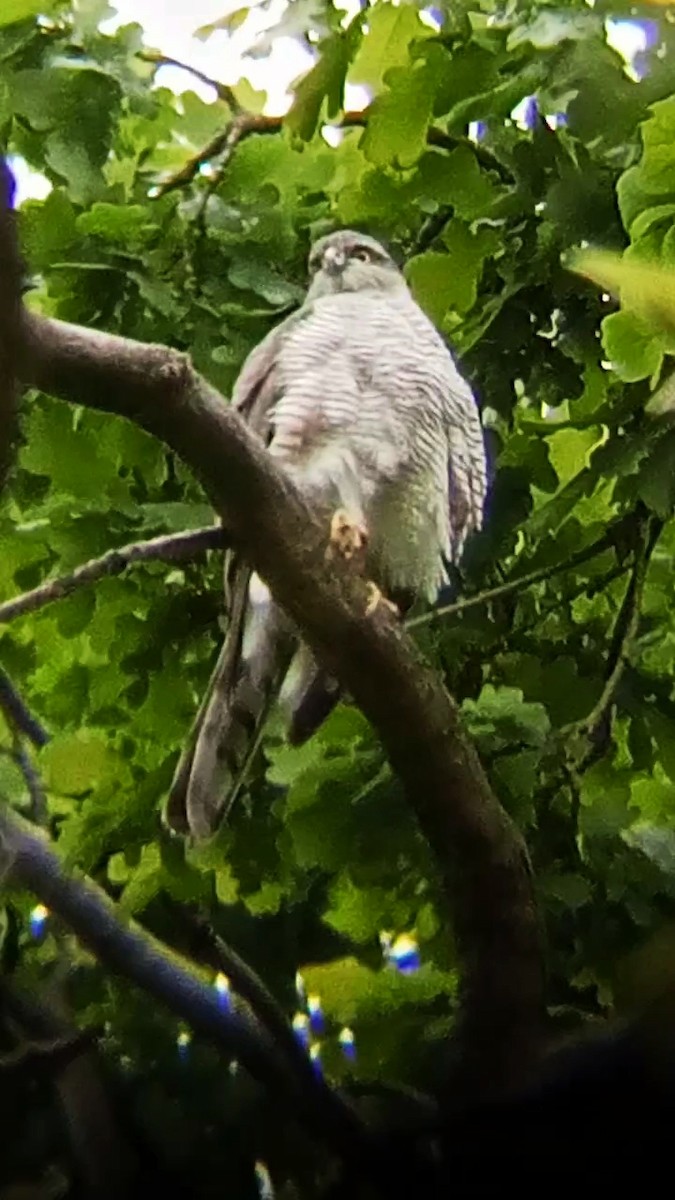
x,y
362,254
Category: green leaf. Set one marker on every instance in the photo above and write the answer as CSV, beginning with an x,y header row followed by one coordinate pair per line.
x,y
76,108
360,913
48,229
227,886
571,891
641,185
457,179
399,118
266,901
501,717
442,281
260,278
325,82
21,10
645,288
569,451
605,796
57,448
632,346
145,882
391,30
228,23
127,225
74,763
656,477
553,26
351,991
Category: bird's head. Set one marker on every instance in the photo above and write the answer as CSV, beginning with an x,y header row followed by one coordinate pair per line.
x,y
351,262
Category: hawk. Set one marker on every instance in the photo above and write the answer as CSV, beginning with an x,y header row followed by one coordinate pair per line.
x,y
357,396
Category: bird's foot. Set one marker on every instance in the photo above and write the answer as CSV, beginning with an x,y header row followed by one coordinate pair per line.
x,y
376,597
347,537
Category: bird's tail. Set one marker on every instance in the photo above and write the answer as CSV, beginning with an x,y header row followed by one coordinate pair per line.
x,y
229,724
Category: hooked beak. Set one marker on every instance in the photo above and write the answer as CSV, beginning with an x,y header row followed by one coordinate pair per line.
x,y
333,260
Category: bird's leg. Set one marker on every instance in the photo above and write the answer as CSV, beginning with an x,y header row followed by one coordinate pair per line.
x,y
349,540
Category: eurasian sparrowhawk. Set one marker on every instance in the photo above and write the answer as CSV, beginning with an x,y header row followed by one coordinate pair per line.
x,y
358,397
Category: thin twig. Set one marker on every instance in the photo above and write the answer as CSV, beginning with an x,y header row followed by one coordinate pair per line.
x,y
39,810
221,146
223,90
514,585
594,730
174,547
625,630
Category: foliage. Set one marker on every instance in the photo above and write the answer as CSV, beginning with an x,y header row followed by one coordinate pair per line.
x,y
322,856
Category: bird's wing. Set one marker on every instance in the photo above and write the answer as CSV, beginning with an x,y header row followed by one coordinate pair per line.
x,y
253,396
467,475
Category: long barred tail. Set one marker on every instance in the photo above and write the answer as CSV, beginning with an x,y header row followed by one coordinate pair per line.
x,y
227,729
235,715
253,671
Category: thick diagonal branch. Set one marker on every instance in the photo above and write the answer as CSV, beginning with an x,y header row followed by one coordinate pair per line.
x,y
481,857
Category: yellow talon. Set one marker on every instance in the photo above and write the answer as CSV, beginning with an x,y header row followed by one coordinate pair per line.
x,y
375,597
347,538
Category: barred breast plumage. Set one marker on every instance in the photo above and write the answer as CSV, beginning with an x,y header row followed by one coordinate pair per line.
x,y
359,399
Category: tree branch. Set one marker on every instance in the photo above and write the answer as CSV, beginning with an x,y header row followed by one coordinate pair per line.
x,y
174,547
590,737
513,585
221,146
245,123
222,90
39,811
32,864
18,715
